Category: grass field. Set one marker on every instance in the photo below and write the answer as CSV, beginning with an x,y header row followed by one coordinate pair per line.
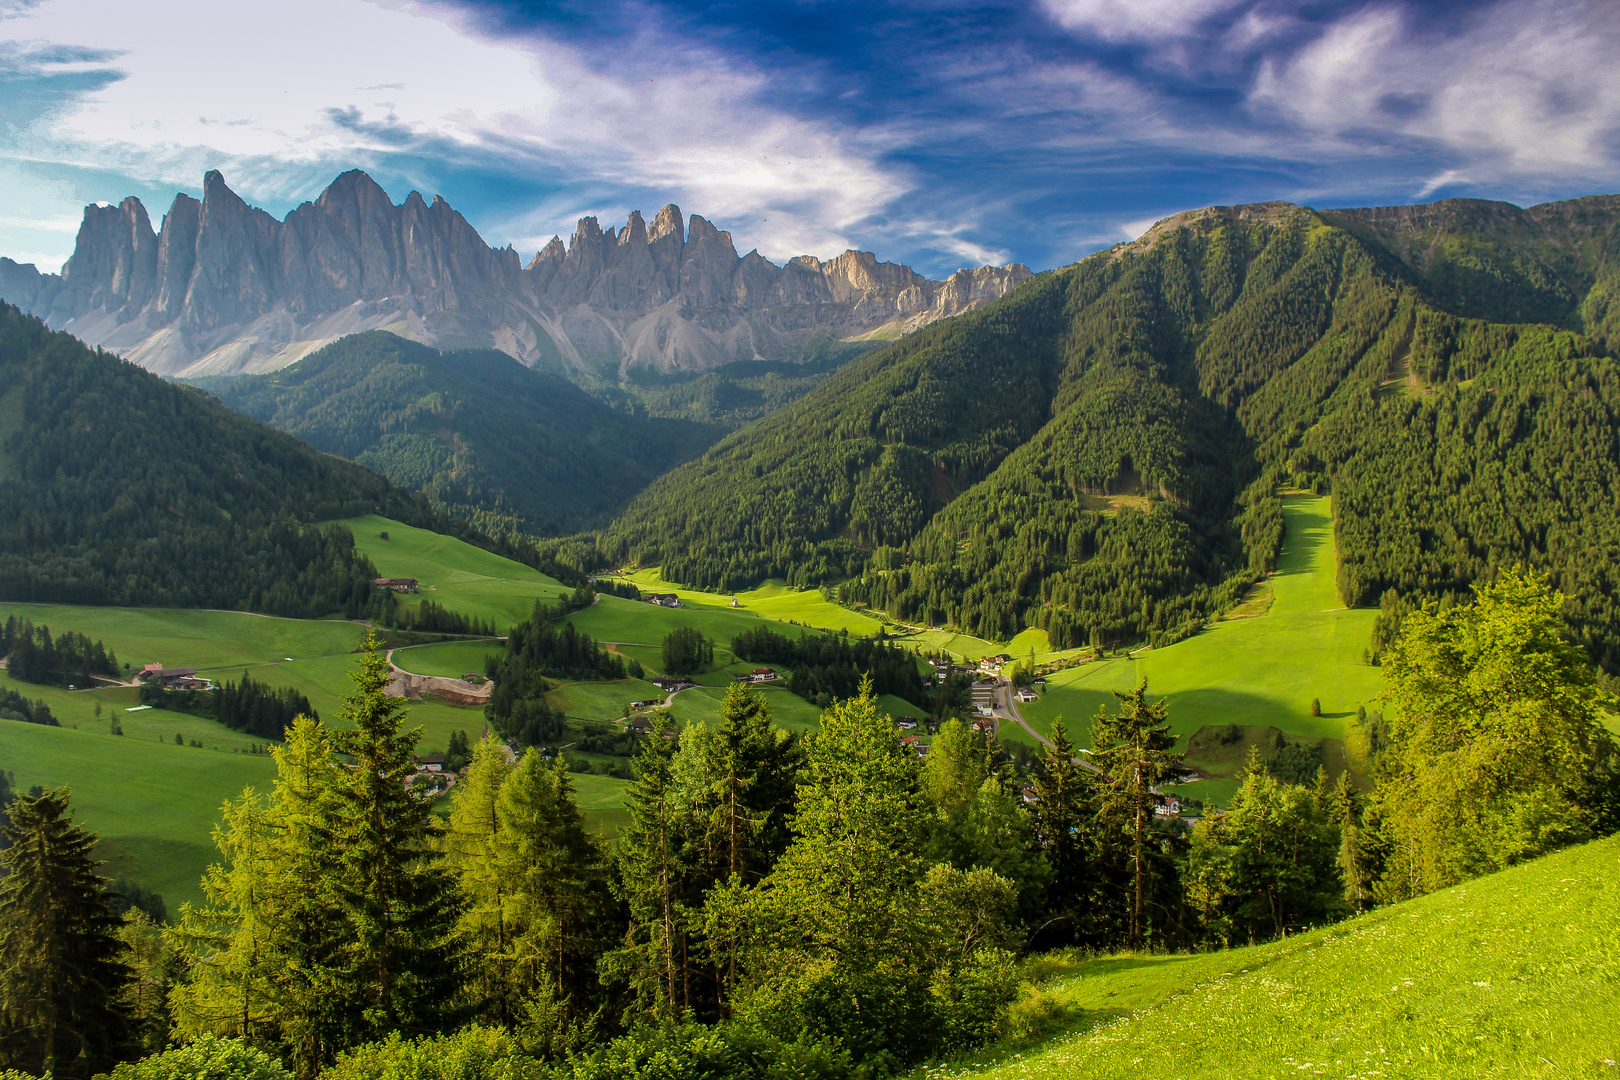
x,y
1255,671
1512,975
153,803
453,573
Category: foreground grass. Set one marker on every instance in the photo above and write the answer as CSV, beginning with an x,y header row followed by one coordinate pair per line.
x,y
1256,671
1511,975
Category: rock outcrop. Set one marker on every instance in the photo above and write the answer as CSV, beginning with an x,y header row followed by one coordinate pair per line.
x,y
222,287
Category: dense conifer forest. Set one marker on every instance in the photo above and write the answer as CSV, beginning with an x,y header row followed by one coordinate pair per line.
x,y
1098,454
485,437
121,488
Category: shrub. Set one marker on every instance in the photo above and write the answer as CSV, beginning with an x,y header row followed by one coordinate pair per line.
x,y
476,1053
208,1057
692,1051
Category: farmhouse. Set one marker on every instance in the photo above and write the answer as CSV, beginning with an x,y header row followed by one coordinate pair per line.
x,y
1026,694
397,584
430,762
663,599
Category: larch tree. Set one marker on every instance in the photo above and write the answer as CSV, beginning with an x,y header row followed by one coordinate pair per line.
x,y
62,970
473,849
560,898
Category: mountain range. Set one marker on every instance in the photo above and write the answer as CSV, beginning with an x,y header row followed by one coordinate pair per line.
x,y
222,288
1099,453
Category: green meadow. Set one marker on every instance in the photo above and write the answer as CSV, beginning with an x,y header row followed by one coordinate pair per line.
x,y
1508,975
155,804
453,573
1252,671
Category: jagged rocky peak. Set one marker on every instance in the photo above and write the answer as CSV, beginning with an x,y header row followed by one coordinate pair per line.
x,y
222,286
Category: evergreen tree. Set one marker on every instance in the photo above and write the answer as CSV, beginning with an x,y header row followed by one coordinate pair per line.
x,y
1134,750
403,969
1065,804
473,845
652,865
560,899
1357,858
737,782
1269,865
62,971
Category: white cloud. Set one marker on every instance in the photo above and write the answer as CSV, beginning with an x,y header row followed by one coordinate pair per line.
x,y
1525,88
1133,230
1136,20
327,84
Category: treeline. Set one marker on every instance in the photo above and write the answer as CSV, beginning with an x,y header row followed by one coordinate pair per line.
x,y
70,658
776,907
825,667
13,706
538,650
429,617
249,706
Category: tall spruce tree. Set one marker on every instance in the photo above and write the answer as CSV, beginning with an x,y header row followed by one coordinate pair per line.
x,y
738,783
404,966
1065,806
653,870
62,974
1134,749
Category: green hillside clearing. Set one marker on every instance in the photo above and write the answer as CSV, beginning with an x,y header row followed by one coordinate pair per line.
x,y
452,572
1509,975
1262,670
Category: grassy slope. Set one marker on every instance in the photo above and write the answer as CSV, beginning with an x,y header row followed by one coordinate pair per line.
x,y
453,573
153,803
1255,671
1510,975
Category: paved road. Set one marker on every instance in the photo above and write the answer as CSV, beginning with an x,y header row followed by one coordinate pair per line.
x,y
1007,709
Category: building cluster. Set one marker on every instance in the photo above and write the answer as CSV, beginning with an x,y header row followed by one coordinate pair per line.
x,y
175,678
662,599
397,584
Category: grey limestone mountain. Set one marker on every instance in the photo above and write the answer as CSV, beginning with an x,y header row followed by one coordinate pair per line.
x,y
222,287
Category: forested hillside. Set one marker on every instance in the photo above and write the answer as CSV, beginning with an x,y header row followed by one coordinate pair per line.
x,y
120,488
1098,454
482,435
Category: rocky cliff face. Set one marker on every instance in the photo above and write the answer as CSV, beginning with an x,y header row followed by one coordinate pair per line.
x,y
222,287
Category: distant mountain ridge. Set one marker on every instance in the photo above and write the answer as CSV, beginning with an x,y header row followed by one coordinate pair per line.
x,y
485,438
224,288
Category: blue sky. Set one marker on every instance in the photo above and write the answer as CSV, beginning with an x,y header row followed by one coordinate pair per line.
x,y
933,132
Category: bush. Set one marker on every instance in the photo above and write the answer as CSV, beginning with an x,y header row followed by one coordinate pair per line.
x,y
692,1051
208,1057
476,1053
